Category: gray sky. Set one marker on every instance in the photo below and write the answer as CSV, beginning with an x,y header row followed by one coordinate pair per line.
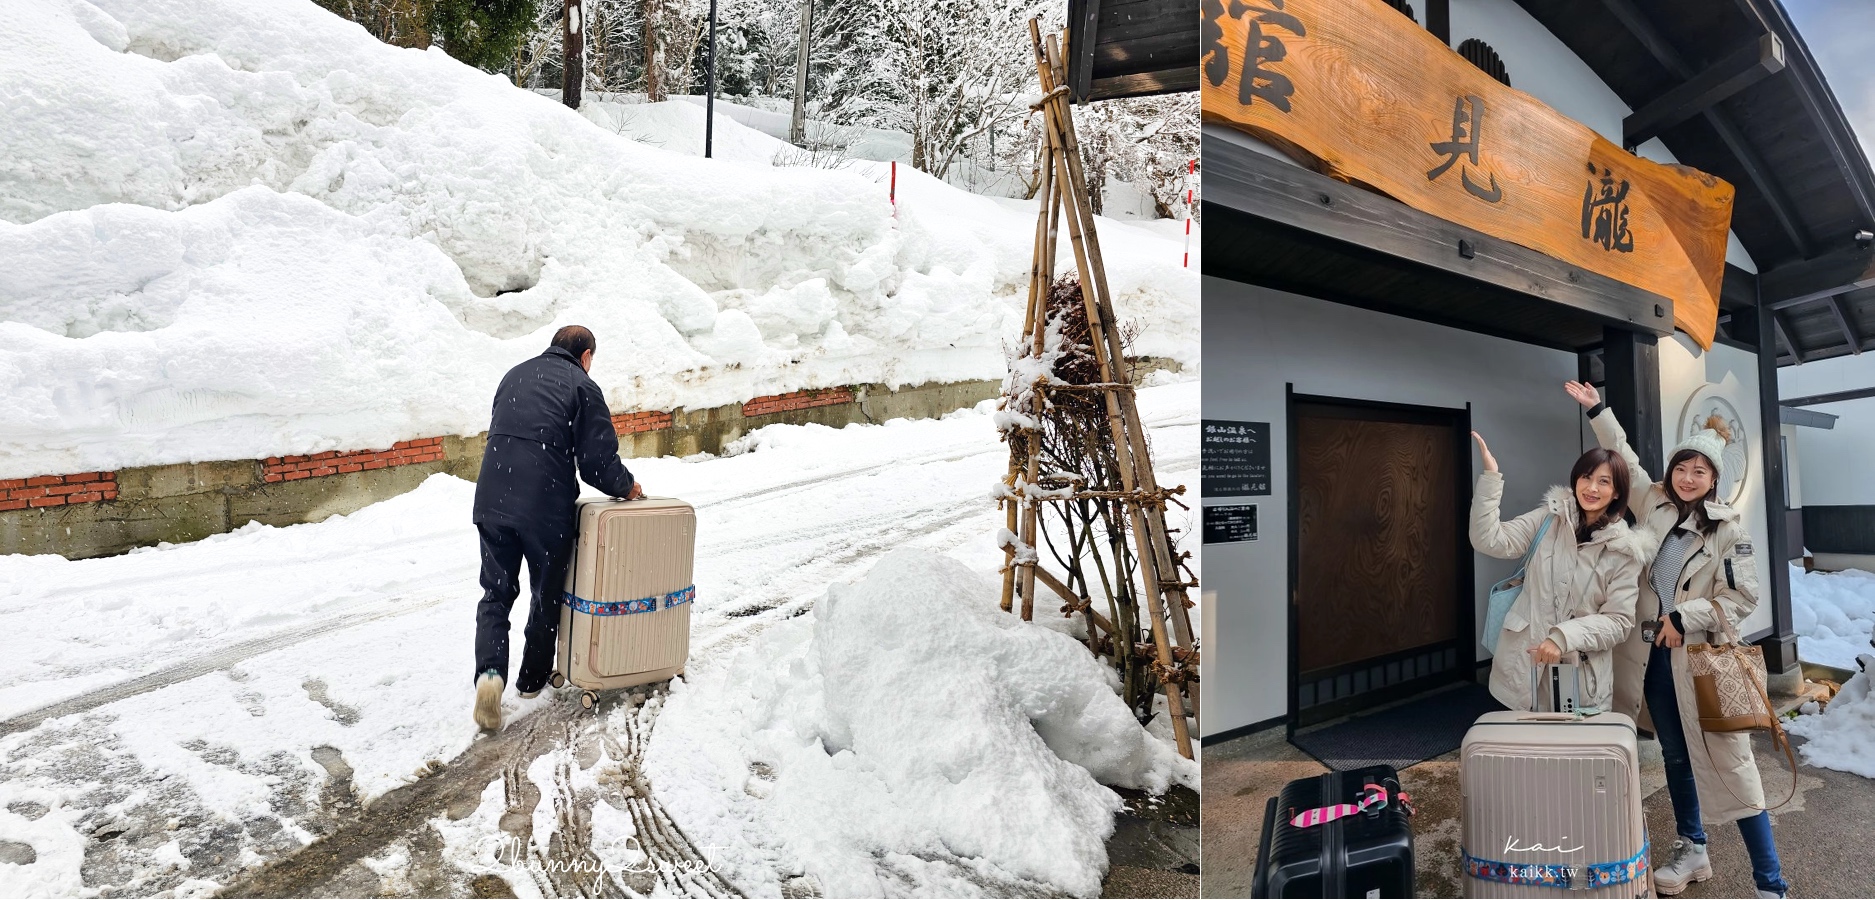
x,y
1841,35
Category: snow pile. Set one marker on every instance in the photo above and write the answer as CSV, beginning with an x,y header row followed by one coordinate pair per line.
x,y
236,230
1842,737
907,738
284,664
1833,613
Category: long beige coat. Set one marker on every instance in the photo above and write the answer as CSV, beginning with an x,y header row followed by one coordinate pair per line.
x,y
1721,573
1581,596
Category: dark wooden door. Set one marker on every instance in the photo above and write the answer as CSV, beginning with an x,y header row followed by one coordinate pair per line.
x,y
1382,574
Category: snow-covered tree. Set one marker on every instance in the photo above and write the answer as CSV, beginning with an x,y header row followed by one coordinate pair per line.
x,y
400,23
956,76
943,71
481,33
1145,141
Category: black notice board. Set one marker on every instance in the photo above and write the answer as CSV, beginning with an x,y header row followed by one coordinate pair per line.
x,y
1230,524
1234,458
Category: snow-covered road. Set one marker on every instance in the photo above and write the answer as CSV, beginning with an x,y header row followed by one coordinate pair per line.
x,y
174,718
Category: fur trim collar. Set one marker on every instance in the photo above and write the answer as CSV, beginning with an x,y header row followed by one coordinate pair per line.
x,y
1615,535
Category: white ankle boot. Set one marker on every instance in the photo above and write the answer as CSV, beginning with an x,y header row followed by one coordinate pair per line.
x,y
1687,863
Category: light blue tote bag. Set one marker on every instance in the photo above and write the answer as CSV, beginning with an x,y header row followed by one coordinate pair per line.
x,y
1504,593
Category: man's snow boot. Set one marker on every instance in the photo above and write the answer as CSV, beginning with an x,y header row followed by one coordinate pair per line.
x,y
488,700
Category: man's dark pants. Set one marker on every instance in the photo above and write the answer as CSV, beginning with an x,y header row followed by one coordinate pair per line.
x,y
503,548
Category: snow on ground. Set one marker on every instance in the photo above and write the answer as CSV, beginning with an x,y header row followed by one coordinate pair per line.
x,y
907,720
282,668
1833,613
234,231
1841,737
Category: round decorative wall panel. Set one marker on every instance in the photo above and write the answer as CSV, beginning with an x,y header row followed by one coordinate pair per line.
x,y
1736,466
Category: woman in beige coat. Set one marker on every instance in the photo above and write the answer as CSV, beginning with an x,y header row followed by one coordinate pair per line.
x,y
1701,565
1580,585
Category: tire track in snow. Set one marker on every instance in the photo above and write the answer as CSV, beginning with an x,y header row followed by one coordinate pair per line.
x,y
504,756
196,667
396,815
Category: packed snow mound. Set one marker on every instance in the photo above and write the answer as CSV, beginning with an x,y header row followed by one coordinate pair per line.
x,y
237,230
1834,614
1841,736
907,738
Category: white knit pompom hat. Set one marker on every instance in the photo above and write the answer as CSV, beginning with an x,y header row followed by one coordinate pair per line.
x,y
1709,441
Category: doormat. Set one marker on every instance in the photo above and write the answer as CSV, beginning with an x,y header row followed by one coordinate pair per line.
x,y
1400,736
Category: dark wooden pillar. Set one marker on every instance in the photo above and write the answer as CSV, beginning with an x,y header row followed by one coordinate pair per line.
x,y
1439,19
1631,362
1780,647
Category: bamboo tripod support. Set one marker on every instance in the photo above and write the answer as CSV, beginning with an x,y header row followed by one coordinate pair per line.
x,y
1064,195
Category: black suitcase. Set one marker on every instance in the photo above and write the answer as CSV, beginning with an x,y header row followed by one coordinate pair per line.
x,y
1369,854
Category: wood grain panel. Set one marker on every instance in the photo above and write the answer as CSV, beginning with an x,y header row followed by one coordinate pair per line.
x,y
1360,93
1376,539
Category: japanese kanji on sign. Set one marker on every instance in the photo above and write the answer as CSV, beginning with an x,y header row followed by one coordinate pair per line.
x,y
1359,92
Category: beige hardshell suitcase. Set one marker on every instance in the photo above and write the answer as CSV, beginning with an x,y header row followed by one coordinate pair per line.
x,y
1553,807
625,619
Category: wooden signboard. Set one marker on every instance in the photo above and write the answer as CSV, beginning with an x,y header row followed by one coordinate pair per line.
x,y
1362,94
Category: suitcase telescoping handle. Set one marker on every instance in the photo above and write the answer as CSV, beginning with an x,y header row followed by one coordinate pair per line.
x,y
1538,685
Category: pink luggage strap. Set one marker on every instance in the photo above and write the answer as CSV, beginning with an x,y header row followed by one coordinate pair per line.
x,y
1375,798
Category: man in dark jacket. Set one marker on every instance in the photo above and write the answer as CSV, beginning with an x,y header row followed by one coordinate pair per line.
x,y
548,417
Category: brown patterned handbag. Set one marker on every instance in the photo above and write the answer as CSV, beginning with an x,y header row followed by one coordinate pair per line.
x,y
1729,693
1728,683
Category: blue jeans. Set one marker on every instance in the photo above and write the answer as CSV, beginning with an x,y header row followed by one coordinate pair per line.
x,y
1664,707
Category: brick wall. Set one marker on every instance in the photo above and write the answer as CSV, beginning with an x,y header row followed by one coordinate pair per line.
x,y
293,468
633,423
797,400
57,490
92,487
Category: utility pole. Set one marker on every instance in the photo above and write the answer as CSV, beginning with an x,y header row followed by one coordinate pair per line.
x,y
797,127
572,51
709,101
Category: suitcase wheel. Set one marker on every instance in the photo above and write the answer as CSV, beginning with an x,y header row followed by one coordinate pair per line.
x,y
558,680
588,699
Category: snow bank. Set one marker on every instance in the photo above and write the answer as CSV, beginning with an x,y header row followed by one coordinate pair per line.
x,y
907,738
1833,613
1842,736
235,230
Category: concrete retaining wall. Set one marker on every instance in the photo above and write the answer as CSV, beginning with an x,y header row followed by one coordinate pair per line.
x,y
78,516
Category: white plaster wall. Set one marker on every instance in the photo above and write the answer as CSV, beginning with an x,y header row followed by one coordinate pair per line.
x,y
1684,369
1838,465
1255,342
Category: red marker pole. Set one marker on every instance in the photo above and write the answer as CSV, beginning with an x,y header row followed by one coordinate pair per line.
x,y
1190,171
892,194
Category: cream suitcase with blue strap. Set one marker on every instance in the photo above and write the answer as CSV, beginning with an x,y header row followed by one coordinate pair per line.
x,y
625,615
1552,807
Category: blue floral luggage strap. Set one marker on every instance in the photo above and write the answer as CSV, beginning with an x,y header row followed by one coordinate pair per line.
x,y
627,607
1562,876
